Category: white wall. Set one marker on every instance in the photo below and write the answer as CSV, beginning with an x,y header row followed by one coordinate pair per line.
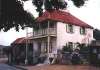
x,y
64,37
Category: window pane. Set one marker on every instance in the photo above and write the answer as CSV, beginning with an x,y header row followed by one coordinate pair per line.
x,y
45,47
70,44
82,30
69,28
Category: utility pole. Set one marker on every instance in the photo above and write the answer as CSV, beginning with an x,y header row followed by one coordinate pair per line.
x,y
26,47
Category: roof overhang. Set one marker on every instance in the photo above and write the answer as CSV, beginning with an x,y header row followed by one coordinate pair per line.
x,y
61,16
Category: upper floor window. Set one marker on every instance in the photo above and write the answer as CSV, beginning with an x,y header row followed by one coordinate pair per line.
x,y
82,30
52,24
69,28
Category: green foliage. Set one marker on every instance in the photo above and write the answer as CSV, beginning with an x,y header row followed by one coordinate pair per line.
x,y
55,4
14,15
84,49
96,34
78,3
49,5
66,49
38,4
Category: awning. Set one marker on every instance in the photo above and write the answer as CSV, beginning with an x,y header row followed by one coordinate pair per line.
x,y
22,40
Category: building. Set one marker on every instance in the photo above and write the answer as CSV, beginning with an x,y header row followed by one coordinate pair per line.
x,y
21,49
56,29
53,30
2,52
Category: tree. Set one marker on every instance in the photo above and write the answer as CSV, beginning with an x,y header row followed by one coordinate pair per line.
x,y
12,13
96,34
55,4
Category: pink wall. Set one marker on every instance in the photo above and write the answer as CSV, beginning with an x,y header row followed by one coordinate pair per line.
x,y
63,37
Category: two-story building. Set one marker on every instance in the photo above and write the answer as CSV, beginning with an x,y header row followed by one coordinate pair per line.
x,y
55,29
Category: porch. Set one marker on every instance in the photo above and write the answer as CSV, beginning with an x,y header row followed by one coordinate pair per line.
x,y
43,50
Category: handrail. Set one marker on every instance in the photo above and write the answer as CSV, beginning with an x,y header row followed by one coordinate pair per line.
x,y
42,32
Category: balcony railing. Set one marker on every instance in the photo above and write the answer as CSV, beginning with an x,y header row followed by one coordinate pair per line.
x,y
44,32
30,34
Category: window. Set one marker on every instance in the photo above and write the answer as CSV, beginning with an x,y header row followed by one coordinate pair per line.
x,y
45,47
39,47
52,24
50,47
82,31
70,44
69,28
44,25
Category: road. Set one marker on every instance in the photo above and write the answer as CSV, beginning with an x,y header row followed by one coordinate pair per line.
x,y
4,66
7,67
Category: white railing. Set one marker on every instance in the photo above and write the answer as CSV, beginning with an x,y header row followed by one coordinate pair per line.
x,y
30,34
43,32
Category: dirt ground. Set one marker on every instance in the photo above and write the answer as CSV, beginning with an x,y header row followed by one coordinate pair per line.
x,y
62,67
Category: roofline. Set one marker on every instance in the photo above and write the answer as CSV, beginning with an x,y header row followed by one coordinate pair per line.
x,y
47,17
65,22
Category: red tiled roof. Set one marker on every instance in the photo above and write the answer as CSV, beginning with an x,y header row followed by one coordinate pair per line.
x,y
21,41
62,16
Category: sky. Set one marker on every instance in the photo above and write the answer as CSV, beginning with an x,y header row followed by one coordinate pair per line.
x,y
89,13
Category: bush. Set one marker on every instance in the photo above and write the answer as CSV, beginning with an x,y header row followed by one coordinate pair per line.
x,y
66,49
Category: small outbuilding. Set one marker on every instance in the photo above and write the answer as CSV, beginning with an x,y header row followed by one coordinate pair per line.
x,y
21,50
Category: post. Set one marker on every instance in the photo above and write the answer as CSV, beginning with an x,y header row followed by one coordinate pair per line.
x,y
26,57
48,43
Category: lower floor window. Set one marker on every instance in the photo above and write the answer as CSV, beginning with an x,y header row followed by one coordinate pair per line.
x,y
70,44
45,47
50,47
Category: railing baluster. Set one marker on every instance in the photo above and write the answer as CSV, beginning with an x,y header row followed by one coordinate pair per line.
x,y
43,32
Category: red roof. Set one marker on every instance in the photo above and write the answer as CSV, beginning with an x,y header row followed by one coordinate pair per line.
x,y
21,41
62,16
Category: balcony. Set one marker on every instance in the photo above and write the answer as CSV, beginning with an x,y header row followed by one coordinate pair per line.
x,y
44,32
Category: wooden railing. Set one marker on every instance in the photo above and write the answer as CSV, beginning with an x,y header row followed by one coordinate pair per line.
x,y
30,34
43,32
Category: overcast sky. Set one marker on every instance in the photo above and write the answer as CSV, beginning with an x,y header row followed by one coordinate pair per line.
x,y
90,13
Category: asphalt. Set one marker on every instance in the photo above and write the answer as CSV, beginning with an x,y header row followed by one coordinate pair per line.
x,y
19,67
8,67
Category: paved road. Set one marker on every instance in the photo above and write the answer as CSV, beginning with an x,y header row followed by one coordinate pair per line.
x,y
7,67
